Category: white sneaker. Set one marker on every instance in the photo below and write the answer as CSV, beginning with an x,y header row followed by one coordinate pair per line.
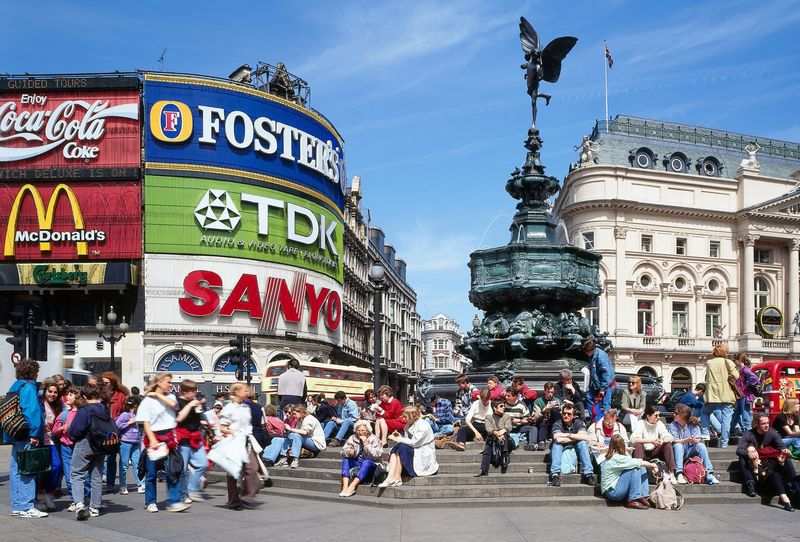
x,y
94,512
196,497
72,507
386,483
33,513
49,504
123,491
294,464
140,489
280,462
682,479
711,479
152,508
187,500
178,507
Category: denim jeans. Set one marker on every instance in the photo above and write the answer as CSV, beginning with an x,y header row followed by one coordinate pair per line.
x,y
295,443
273,451
129,452
788,441
344,429
23,488
724,413
66,464
110,470
581,448
194,467
52,480
605,403
86,463
632,485
742,415
173,489
683,452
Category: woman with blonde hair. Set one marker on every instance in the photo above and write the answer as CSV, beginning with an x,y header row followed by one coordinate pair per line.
x,y
721,375
633,403
624,478
787,423
361,452
415,453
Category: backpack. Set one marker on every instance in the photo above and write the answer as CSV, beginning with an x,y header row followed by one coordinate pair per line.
x,y
379,475
12,420
103,435
666,497
694,471
656,475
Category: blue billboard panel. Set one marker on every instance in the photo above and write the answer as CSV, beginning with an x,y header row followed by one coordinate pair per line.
x,y
193,121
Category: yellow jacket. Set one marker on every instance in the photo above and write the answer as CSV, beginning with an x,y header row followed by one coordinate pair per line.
x,y
718,390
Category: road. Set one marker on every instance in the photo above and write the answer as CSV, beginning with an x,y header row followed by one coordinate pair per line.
x,y
125,520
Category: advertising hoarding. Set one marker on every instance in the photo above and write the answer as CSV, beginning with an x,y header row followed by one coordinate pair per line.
x,y
57,134
195,124
62,221
221,295
185,215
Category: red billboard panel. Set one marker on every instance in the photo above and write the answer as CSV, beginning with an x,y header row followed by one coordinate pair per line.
x,y
63,221
54,134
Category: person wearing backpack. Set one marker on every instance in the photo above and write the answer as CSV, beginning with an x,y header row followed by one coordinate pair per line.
x,y
746,385
94,434
26,433
688,444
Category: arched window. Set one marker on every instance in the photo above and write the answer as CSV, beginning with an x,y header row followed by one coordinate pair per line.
x,y
761,292
224,364
179,361
647,371
681,379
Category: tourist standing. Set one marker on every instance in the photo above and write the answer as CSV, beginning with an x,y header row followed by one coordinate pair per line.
x,y
114,394
129,446
721,375
51,406
746,385
23,486
292,385
61,432
189,434
601,380
237,428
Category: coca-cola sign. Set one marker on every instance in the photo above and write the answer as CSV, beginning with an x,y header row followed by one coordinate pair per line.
x,y
88,129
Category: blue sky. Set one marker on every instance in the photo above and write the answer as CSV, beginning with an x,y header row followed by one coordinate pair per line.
x,y
430,97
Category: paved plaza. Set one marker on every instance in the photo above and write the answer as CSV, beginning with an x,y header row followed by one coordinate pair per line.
x,y
125,520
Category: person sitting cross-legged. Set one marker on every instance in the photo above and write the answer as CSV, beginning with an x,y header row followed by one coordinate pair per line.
x,y
474,427
651,439
347,414
362,451
569,432
624,478
762,454
498,429
688,442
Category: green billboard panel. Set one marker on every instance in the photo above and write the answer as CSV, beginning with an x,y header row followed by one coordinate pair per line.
x,y
185,215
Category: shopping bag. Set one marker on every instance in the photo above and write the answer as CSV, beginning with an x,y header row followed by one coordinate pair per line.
x,y
33,461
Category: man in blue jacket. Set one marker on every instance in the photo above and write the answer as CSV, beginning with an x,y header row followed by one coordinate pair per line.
x,y
601,380
23,487
347,415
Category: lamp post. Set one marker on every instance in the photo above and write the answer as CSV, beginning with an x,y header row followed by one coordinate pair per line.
x,y
377,277
111,319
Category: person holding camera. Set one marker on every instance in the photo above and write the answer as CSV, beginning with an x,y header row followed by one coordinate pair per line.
x,y
191,445
545,413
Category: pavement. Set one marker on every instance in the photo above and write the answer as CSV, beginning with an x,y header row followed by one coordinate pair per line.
x,y
125,520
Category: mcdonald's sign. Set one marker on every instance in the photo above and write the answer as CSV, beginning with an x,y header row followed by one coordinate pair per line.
x,y
58,221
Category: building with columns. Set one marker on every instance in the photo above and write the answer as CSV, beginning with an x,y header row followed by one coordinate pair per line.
x,y
441,336
699,230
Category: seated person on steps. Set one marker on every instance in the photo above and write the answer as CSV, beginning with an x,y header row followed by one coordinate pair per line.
x,y
498,429
545,413
474,427
414,453
652,440
521,420
569,432
362,451
347,414
624,478
764,456
601,432
687,442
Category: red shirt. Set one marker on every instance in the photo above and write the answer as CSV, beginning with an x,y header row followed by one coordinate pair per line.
x,y
392,413
496,393
117,403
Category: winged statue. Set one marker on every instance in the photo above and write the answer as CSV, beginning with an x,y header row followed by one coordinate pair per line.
x,y
541,64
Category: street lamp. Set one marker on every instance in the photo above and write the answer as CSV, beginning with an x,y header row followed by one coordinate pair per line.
x,y
377,276
111,319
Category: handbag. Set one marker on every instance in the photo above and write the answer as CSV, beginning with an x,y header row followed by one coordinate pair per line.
x,y
12,420
33,461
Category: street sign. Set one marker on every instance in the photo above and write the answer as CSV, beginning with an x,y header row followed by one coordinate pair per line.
x,y
15,358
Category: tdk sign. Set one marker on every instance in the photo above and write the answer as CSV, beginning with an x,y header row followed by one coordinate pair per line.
x,y
209,123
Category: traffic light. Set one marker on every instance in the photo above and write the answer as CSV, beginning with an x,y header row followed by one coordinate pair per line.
x,y
38,344
236,354
248,353
17,328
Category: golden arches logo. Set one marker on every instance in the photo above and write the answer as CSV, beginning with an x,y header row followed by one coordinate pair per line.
x,y
171,121
44,216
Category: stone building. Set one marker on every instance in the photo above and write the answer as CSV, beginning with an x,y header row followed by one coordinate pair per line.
x,y
440,337
699,230
401,352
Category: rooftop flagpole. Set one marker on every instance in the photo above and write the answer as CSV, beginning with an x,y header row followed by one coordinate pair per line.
x,y
607,64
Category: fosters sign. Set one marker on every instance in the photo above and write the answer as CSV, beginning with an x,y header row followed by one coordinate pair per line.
x,y
211,126
62,222
185,215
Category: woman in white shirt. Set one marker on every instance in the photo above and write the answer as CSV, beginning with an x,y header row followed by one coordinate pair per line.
x,y
474,427
651,439
236,426
157,414
414,454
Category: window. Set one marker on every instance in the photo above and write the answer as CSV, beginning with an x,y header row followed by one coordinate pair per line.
x,y
592,312
713,249
680,246
440,362
645,317
645,281
647,243
680,319
761,292
713,320
588,240
713,285
680,283
761,255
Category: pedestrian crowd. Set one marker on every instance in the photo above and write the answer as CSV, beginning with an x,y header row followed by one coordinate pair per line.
x,y
102,437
